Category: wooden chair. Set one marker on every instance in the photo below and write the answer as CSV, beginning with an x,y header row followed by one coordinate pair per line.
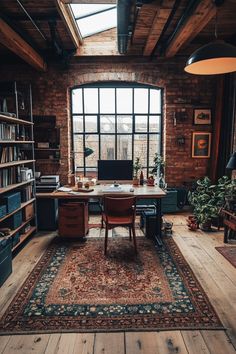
x,y
119,211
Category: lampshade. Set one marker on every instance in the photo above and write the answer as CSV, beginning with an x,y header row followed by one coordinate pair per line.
x,y
231,165
216,57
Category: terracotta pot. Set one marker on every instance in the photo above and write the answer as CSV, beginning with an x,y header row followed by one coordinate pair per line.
x,y
150,181
206,226
135,182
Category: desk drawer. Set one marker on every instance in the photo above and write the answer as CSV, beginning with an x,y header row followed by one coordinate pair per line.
x,y
73,219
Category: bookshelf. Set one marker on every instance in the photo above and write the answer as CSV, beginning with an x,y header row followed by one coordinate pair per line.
x,y
17,164
47,144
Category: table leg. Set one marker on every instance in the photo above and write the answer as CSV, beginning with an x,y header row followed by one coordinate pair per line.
x,y
158,236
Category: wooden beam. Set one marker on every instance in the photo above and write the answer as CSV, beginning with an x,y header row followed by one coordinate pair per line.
x,y
10,39
69,20
163,11
89,1
203,13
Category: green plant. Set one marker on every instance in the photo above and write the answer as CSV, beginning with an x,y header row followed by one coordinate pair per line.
x,y
137,167
159,164
208,199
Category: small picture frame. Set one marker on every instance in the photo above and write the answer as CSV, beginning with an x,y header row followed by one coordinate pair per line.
x,y
201,145
202,116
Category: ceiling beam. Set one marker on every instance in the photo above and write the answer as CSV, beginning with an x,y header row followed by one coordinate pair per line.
x,y
163,11
69,20
10,39
203,14
89,1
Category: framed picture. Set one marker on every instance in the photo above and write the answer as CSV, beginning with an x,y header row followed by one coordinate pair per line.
x,y
201,145
202,116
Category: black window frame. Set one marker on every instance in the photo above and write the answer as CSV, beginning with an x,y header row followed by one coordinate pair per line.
x,y
116,85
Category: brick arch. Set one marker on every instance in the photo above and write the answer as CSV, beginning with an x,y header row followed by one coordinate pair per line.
x,y
130,77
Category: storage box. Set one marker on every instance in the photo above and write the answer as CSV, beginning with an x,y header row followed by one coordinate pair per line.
x,y
15,239
148,223
73,219
12,201
5,259
13,221
28,212
3,210
169,202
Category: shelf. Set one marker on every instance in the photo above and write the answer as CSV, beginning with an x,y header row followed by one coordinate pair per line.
x,y
12,120
48,161
15,211
46,149
23,237
13,232
14,186
16,163
16,142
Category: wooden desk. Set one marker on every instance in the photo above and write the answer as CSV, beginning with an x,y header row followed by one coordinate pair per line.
x,y
140,192
230,225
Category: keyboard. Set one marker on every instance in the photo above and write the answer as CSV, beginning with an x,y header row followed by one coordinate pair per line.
x,y
112,189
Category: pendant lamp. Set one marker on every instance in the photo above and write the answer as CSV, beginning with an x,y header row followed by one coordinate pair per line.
x,y
217,57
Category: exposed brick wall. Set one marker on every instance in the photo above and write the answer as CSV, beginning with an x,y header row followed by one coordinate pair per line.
x,y
51,96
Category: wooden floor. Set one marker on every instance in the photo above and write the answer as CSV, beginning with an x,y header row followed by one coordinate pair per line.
x,y
215,273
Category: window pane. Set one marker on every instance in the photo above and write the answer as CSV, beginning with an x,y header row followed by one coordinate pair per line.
x,y
91,124
124,124
154,124
80,10
78,124
97,23
155,101
124,100
124,147
107,100
107,147
78,144
140,148
77,105
107,124
91,142
79,163
140,100
140,123
90,100
154,147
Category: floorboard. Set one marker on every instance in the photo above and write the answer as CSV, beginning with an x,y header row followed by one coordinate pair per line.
x,y
216,275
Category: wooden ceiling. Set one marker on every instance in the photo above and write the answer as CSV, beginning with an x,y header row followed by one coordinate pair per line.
x,y
40,31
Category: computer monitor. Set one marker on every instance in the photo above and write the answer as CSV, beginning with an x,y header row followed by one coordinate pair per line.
x,y
115,170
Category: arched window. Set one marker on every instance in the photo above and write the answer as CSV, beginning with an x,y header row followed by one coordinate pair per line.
x,y
115,121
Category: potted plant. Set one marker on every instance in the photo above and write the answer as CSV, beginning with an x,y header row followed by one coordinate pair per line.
x,y
208,199
158,170
137,167
204,202
230,193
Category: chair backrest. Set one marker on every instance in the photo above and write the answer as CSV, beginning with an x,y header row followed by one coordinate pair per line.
x,y
119,205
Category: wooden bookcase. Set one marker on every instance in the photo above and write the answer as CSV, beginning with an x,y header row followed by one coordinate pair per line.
x,y
17,161
47,144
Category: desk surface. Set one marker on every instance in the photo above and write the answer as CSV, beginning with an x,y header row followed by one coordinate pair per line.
x,y
140,192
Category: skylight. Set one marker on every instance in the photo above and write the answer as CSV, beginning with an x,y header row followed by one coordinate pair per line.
x,y
94,18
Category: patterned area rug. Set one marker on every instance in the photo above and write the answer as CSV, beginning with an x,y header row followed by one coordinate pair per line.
x,y
229,253
75,288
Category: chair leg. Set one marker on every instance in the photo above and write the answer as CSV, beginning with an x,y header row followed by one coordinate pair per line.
x,y
106,238
130,235
134,238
